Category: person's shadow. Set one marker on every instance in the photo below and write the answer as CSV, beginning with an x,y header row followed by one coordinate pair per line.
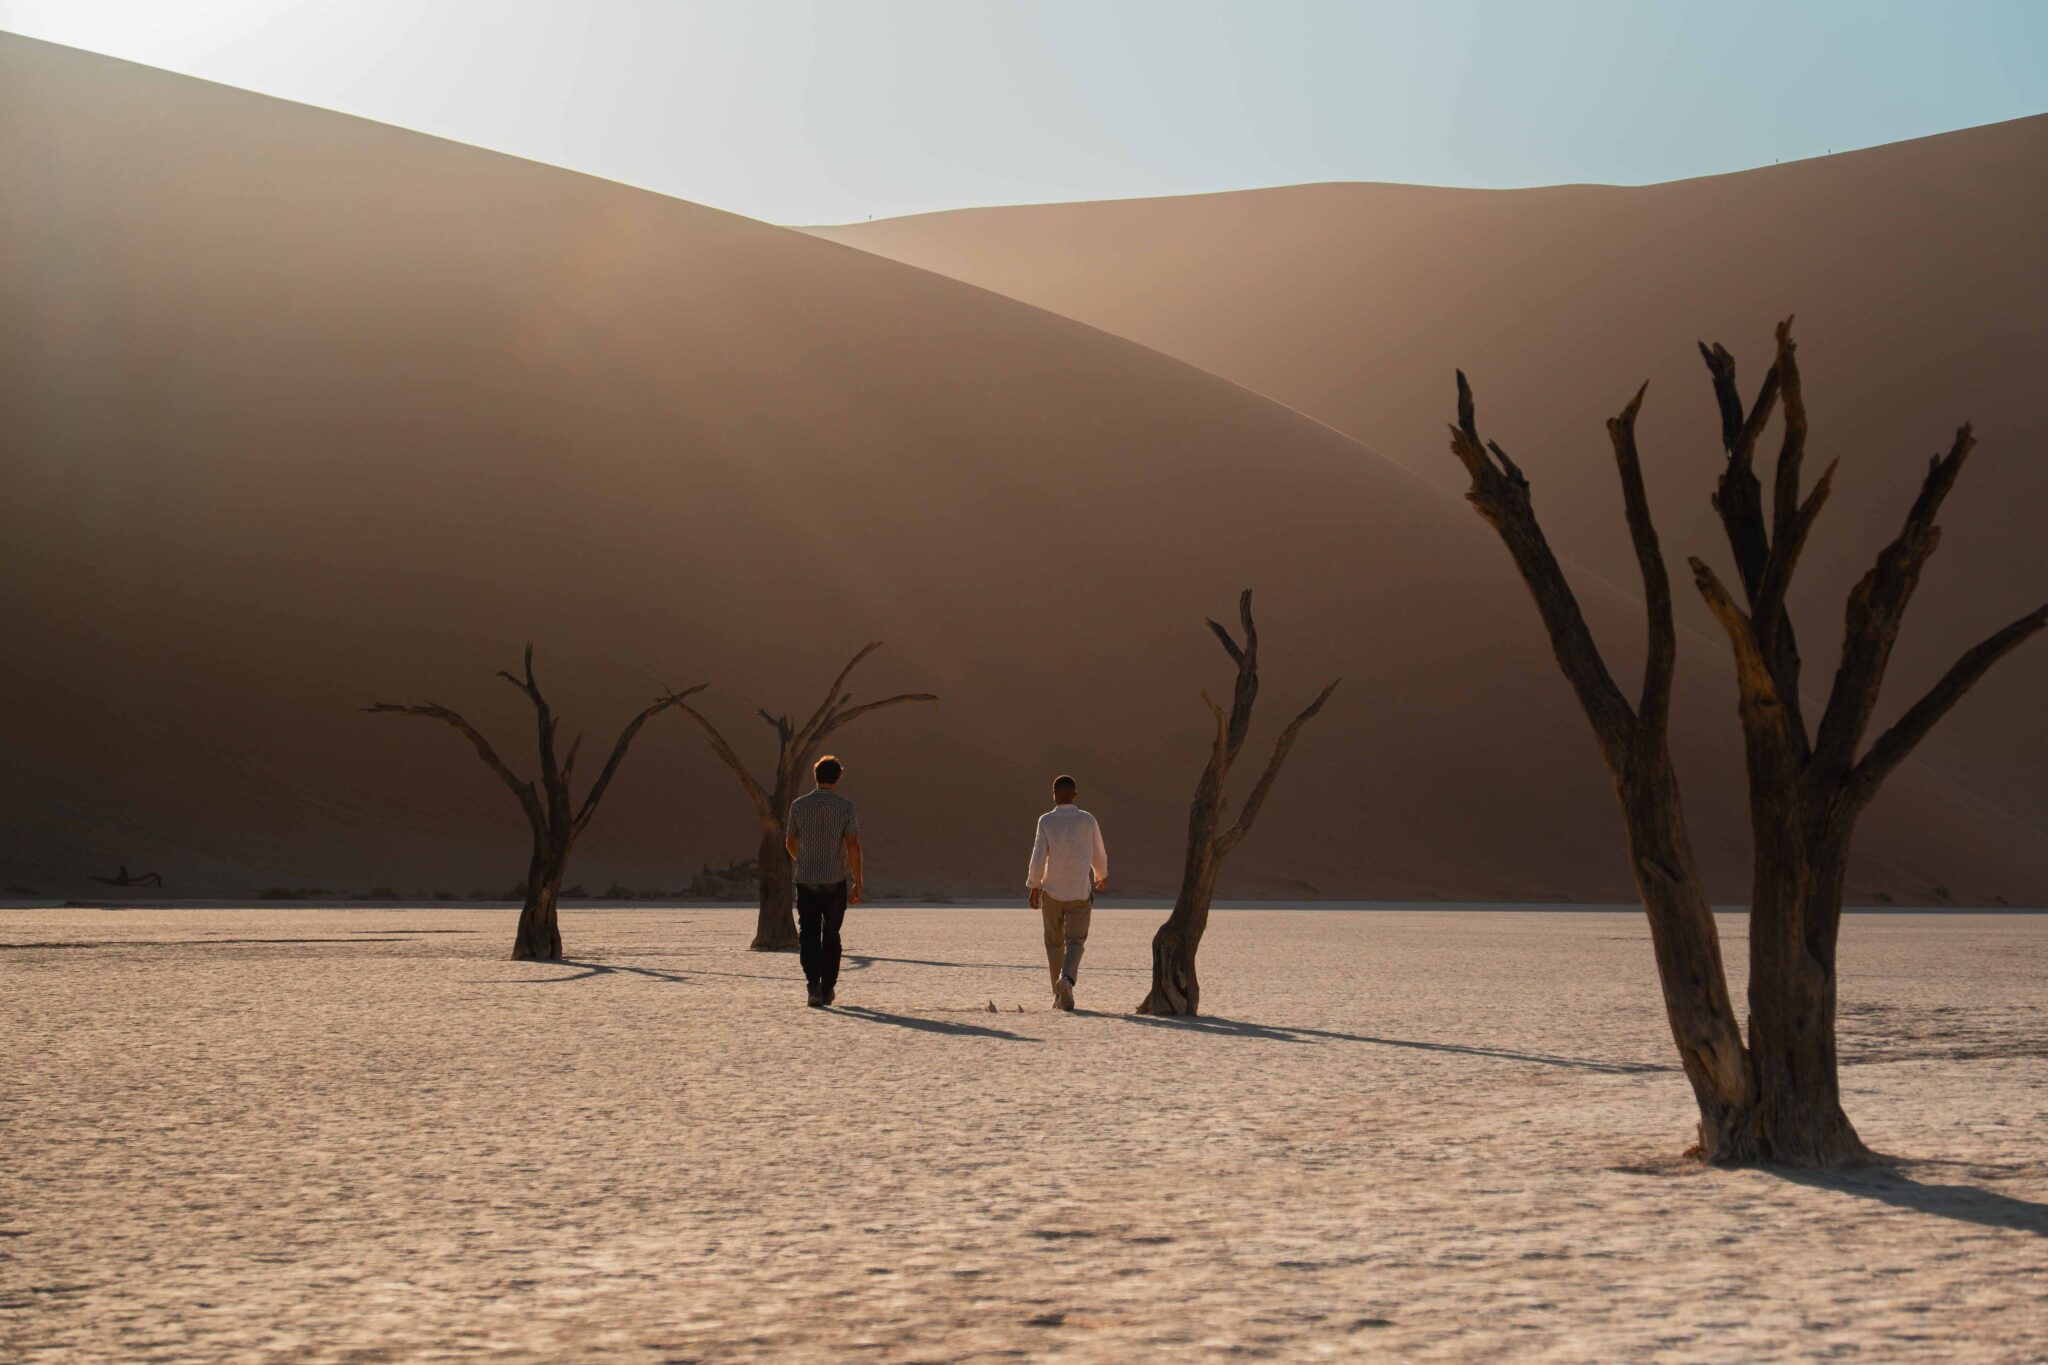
x,y
1888,1183
911,1021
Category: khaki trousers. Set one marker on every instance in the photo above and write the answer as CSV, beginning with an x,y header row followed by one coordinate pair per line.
x,y
1066,933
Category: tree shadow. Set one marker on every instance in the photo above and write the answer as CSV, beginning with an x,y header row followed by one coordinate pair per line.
x,y
1888,1183
1238,1028
911,1021
861,961
589,970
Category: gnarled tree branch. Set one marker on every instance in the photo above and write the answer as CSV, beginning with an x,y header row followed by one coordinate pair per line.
x,y
1765,555
1661,658
839,720
834,696
1500,494
1230,838
529,799
1896,745
618,754
726,755
1877,610
1738,497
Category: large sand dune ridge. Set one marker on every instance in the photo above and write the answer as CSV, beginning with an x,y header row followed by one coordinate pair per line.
x,y
302,412
1915,270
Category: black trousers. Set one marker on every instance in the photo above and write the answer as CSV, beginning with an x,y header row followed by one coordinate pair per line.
x,y
820,910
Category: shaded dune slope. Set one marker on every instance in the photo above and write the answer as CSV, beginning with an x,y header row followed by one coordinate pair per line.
x,y
1916,271
299,411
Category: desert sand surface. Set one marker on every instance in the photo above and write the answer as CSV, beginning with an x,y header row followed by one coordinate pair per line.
x,y
324,1135
300,412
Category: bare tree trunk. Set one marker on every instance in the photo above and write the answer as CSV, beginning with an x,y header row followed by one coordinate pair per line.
x,y
1176,990
1687,948
1794,916
539,935
775,927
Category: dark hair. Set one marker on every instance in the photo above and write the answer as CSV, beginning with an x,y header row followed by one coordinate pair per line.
x,y
828,770
1063,783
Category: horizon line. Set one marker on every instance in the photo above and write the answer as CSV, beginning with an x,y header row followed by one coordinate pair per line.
x,y
988,205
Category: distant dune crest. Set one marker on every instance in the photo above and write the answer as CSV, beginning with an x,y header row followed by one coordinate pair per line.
x,y
302,411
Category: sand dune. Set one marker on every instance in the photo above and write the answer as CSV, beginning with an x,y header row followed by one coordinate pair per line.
x,y
1916,272
302,411
317,1136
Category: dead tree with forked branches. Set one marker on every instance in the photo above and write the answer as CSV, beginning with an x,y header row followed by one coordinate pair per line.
x,y
122,877
554,819
1774,1098
1175,987
797,747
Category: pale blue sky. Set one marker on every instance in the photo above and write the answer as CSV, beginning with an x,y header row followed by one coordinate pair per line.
x,y
832,111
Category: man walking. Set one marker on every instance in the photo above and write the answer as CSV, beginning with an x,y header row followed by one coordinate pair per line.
x,y
824,843
1068,866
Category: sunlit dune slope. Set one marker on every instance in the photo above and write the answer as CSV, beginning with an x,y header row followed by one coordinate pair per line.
x,y
1916,270
298,412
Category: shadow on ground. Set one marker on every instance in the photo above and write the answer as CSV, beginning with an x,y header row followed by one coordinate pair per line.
x,y
1238,1028
855,961
588,970
922,1025
1891,1185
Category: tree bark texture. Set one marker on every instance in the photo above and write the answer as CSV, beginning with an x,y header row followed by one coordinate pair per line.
x,y
775,920
1774,1097
539,935
797,747
553,818
1176,988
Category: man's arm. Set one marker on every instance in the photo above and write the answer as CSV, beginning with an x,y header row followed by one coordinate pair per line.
x,y
789,842
853,862
1098,863
1034,871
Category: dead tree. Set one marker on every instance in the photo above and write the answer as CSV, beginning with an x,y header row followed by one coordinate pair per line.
x,y
122,878
1774,1098
797,747
1175,987
555,820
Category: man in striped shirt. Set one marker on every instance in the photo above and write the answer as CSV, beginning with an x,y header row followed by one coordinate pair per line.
x,y
824,843
1068,866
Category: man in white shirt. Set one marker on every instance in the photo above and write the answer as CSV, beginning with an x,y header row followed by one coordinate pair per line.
x,y
1068,866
